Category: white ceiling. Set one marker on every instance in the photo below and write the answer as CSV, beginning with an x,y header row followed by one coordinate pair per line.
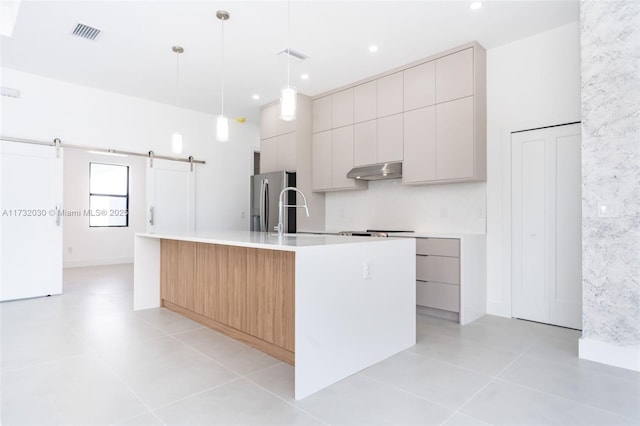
x,y
133,54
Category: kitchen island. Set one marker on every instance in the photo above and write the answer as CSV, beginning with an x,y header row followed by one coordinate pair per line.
x,y
329,305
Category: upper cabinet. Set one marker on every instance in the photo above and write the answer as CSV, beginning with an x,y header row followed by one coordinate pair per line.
x,y
445,123
342,108
454,76
431,115
279,139
269,117
420,86
322,114
332,158
365,97
390,95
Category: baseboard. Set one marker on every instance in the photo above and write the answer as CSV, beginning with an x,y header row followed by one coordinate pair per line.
x,y
607,353
96,262
438,313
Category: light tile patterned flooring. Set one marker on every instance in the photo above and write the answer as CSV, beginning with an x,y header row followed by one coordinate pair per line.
x,y
84,358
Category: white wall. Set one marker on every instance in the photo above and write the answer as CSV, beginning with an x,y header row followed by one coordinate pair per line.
x,y
78,115
91,246
533,82
388,204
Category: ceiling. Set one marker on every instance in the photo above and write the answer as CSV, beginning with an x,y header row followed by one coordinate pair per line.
x,y
133,53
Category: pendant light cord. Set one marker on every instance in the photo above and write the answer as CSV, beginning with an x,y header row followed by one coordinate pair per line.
x,y
177,79
222,61
288,43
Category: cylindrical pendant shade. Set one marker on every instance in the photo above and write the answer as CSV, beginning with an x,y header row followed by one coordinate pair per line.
x,y
222,129
288,98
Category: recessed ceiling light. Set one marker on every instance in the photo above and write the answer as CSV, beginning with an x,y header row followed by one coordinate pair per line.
x,y
255,97
475,5
305,76
373,48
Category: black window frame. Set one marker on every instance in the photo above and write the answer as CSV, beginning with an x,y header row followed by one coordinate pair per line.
x,y
126,197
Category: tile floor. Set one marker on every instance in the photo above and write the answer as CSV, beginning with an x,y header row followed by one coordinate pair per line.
x,y
84,358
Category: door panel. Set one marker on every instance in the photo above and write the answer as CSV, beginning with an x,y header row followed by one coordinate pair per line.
x,y
419,147
365,141
30,228
532,275
321,160
342,157
170,197
454,139
546,226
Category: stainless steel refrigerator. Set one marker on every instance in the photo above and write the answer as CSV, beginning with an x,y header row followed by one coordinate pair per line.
x,y
265,190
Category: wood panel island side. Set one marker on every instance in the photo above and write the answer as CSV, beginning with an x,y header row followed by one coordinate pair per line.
x,y
329,305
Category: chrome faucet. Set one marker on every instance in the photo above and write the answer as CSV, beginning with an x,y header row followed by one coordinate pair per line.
x,y
282,205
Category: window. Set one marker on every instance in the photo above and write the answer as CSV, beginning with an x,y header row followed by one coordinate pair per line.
x,y
108,195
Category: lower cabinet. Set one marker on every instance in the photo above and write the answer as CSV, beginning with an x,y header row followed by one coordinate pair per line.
x,y
246,293
270,296
438,273
451,277
178,273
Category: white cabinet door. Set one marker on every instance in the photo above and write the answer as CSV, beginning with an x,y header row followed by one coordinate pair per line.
x,y
30,227
546,226
390,138
454,139
365,101
390,94
454,76
269,155
420,86
321,161
285,127
322,114
419,163
342,108
365,139
268,121
342,157
287,152
170,197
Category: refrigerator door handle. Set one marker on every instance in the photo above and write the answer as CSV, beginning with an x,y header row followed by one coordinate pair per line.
x,y
266,205
261,227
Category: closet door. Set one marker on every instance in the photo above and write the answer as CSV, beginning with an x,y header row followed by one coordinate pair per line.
x,y
546,226
31,221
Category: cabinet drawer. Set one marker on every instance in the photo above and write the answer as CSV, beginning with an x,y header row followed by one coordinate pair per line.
x,y
438,295
438,268
438,246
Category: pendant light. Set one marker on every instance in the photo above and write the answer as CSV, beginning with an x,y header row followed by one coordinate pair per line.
x,y
288,95
176,138
222,122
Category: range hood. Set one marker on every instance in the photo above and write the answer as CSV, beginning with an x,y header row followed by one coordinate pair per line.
x,y
377,171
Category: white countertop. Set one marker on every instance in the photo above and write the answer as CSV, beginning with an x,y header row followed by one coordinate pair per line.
x,y
416,234
420,234
288,242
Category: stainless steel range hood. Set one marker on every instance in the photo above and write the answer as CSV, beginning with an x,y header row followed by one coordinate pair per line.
x,y
376,171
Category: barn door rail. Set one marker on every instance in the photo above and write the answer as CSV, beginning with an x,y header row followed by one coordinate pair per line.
x,y
58,144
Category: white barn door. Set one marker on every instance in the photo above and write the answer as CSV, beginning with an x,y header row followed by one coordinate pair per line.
x,y
547,226
30,225
170,197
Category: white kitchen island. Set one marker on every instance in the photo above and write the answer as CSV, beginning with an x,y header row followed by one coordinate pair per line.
x,y
349,304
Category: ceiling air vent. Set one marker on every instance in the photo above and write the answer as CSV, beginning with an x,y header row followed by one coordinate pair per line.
x,y
86,31
294,54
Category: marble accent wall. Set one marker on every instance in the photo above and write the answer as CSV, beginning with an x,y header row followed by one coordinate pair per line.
x,y
610,55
